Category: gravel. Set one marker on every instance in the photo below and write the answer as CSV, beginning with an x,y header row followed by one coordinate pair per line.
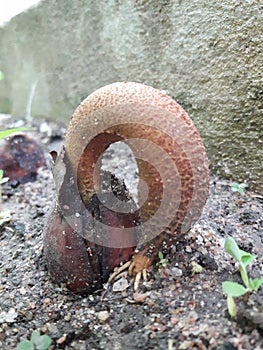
x,y
176,308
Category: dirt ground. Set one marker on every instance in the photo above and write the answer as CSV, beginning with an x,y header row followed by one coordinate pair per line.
x,y
174,309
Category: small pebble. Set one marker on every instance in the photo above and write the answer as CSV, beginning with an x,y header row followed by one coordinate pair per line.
x,y
120,285
9,316
188,249
47,301
187,344
23,291
176,272
103,316
61,340
140,297
174,320
67,318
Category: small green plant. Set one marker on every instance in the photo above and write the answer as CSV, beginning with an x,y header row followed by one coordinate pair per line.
x,y
8,132
240,188
162,263
233,289
196,268
36,342
2,76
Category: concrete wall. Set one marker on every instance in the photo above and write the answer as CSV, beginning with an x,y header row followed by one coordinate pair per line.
x,y
205,54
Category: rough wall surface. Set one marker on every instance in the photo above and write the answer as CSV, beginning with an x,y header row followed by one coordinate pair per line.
x,y
205,54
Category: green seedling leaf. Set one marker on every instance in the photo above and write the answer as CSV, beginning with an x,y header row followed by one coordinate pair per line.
x,y
2,76
34,336
8,132
160,255
1,174
234,289
255,283
236,187
36,342
231,306
162,262
43,342
196,268
247,258
232,248
25,345
244,276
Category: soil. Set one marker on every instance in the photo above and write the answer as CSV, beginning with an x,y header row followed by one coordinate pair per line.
x,y
176,308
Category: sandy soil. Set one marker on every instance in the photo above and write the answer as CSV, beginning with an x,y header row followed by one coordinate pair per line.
x,y
174,309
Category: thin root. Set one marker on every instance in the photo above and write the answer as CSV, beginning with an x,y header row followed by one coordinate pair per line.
x,y
118,271
144,274
130,266
138,278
